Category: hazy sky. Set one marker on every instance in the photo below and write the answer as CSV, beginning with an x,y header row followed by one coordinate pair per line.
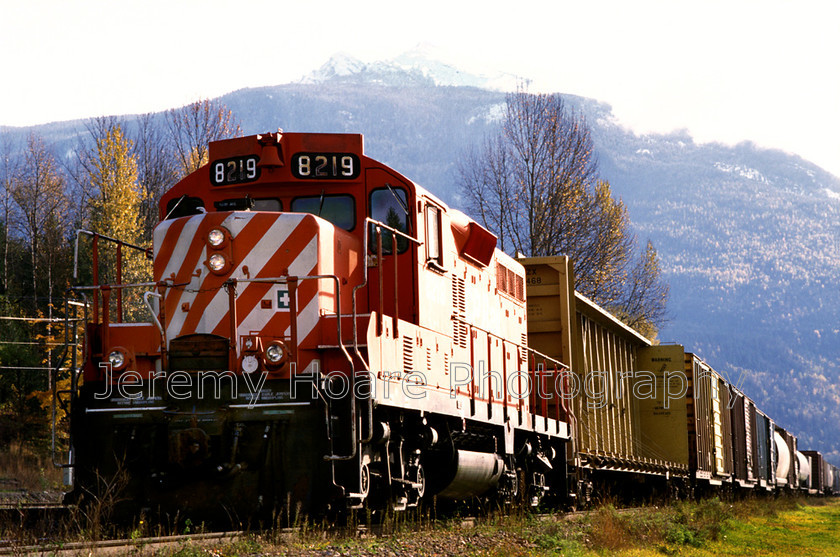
x,y
767,71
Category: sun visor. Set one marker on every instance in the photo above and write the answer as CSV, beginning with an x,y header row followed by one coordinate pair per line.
x,y
472,240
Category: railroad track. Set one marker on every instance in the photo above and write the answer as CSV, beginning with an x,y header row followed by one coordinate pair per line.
x,y
152,544
106,547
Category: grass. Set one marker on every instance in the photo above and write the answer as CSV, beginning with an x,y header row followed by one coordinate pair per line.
x,y
22,468
706,528
781,527
769,527
806,530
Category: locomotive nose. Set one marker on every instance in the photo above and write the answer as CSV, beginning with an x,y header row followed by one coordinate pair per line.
x,y
250,291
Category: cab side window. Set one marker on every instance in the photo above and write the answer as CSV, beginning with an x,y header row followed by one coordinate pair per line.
x,y
390,207
269,204
434,240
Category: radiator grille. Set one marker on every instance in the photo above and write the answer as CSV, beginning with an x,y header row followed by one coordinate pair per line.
x,y
408,354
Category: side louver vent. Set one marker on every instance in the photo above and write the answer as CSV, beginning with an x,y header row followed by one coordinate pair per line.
x,y
459,312
408,354
509,282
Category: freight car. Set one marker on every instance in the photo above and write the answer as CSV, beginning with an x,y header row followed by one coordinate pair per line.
x,y
324,334
764,459
821,477
645,415
617,446
787,463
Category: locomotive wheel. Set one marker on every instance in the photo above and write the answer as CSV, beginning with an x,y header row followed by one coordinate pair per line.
x,y
364,480
421,479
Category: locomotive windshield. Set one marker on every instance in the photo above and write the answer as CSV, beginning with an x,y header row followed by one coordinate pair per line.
x,y
337,209
184,206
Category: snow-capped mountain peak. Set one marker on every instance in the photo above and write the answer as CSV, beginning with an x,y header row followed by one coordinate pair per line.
x,y
339,65
422,65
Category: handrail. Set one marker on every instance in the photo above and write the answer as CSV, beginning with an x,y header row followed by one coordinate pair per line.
x,y
120,243
80,231
152,311
380,225
73,369
563,371
537,352
54,380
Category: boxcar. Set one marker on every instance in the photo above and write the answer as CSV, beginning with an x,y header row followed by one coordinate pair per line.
x,y
742,413
765,458
817,477
695,428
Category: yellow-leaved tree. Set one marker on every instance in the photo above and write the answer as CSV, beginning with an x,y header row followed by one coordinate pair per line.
x,y
109,178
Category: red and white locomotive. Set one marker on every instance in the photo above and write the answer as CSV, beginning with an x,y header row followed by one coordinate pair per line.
x,y
322,333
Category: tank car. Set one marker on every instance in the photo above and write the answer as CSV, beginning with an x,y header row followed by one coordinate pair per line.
x,y
321,334
787,463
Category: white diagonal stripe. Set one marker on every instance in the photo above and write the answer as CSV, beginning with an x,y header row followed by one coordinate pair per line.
x,y
256,259
308,318
179,254
184,295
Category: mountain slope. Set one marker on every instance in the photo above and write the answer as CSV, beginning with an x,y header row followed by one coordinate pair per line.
x,y
748,237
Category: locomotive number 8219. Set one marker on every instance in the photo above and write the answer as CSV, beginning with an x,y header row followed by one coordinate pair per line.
x,y
325,166
237,170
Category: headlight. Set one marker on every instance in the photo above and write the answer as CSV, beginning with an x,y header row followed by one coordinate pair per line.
x,y
217,262
250,364
275,353
117,359
216,237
